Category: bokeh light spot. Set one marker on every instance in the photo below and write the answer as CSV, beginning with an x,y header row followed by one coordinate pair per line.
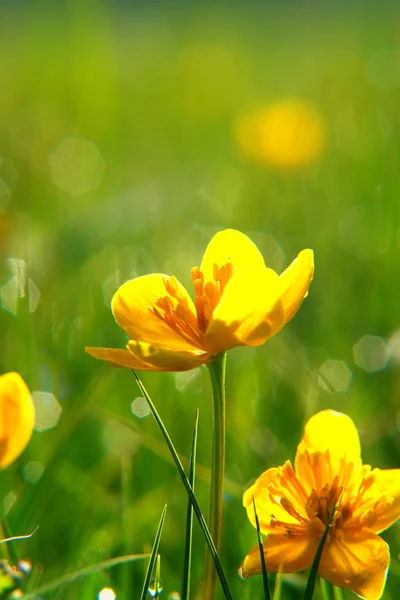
x,y
9,294
18,269
32,471
286,134
365,232
394,346
184,378
107,593
48,410
334,376
8,501
174,596
140,408
76,166
263,442
33,296
371,353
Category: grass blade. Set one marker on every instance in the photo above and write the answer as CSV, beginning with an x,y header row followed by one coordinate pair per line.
x,y
189,516
17,538
278,586
267,594
71,577
312,578
325,589
153,555
186,483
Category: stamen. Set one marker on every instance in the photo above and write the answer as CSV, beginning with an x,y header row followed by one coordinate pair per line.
x,y
215,271
287,505
197,274
369,518
291,482
211,291
199,303
172,286
209,294
173,309
198,287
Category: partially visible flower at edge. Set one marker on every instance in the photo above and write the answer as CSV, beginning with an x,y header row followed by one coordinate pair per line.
x,y
17,417
294,505
238,301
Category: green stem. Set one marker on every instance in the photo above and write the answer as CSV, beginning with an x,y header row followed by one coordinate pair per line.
x,y
337,593
217,374
326,589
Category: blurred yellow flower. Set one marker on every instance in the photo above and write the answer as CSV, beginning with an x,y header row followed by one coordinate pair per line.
x,y
238,301
286,135
294,505
17,417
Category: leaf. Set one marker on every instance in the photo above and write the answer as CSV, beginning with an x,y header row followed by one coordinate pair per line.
x,y
310,587
186,483
71,577
189,516
16,538
153,555
267,594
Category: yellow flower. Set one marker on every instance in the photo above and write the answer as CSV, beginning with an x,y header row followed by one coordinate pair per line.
x,y
286,134
238,301
294,505
17,417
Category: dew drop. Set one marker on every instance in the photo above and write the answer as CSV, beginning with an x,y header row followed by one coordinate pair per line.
x,y
155,587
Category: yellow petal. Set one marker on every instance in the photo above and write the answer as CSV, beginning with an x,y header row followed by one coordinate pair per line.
x,y
117,357
249,312
330,440
130,306
17,417
282,553
142,357
295,281
268,491
382,498
358,563
234,247
167,360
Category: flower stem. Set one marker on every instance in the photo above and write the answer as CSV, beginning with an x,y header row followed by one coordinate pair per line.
x,y
217,374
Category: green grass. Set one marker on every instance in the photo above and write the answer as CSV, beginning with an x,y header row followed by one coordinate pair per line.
x,y
158,92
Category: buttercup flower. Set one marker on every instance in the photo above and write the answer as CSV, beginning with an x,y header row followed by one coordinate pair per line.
x,y
294,505
238,301
286,134
17,417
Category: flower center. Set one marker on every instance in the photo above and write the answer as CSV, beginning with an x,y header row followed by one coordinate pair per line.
x,y
321,504
175,311
209,294
307,512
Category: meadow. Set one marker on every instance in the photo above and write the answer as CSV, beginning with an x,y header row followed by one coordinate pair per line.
x,y
129,136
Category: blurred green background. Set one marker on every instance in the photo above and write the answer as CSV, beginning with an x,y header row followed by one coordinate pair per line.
x,y
119,156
